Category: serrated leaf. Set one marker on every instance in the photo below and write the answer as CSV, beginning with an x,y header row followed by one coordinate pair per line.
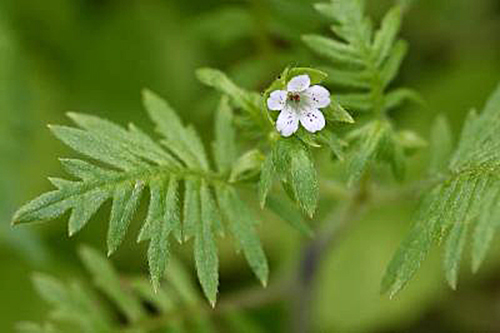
x,y
467,193
453,252
95,147
365,62
225,137
385,37
134,141
126,198
71,304
108,281
391,67
127,304
177,138
205,249
333,50
370,138
192,212
347,78
86,208
163,222
360,102
242,225
441,145
485,229
303,179
218,80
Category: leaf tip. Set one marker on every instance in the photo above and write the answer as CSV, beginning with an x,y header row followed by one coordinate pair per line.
x,y
147,94
156,285
72,115
212,302
475,266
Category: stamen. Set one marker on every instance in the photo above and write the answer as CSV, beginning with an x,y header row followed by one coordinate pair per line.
x,y
294,97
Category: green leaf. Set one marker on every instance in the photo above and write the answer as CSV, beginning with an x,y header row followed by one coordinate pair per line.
x,y
391,67
334,51
441,145
266,179
72,304
398,97
124,162
484,232
225,137
385,37
192,208
364,62
347,78
453,252
467,193
87,207
247,166
335,112
205,249
126,198
303,178
163,221
359,102
124,303
108,281
332,141
369,143
242,225
287,211
218,80
183,143
410,140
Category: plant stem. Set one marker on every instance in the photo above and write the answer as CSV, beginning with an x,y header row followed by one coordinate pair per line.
x,y
314,254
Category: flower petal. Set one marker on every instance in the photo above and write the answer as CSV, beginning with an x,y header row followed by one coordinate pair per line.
x,y
299,83
277,100
287,123
312,120
319,96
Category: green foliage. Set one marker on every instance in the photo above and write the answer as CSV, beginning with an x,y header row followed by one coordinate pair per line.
x,y
365,61
290,160
364,64
464,199
126,162
175,306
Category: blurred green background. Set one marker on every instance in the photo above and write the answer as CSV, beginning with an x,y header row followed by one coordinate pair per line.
x,y
95,56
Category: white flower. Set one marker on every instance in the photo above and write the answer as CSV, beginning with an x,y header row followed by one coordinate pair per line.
x,y
299,103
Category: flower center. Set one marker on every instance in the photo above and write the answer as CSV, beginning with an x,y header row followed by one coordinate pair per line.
x,y
294,97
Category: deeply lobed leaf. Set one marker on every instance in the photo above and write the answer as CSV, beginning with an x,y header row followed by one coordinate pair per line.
x,y
464,202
